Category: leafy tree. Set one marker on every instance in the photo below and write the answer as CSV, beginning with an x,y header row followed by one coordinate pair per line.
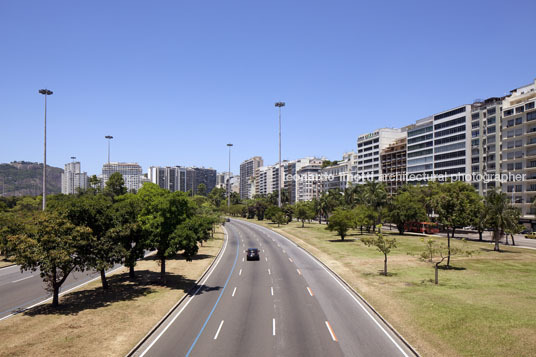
x,y
304,211
441,252
94,212
364,216
11,224
501,216
218,196
115,186
235,198
95,183
162,216
288,210
384,245
341,221
202,189
279,218
54,248
405,208
127,231
456,205
271,211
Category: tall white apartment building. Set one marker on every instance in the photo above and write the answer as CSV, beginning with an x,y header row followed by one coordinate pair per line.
x,y
247,172
439,146
172,178
222,178
519,149
72,180
297,181
341,175
369,147
132,174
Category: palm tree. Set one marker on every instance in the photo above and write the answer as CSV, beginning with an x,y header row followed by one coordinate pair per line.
x,y
501,215
375,196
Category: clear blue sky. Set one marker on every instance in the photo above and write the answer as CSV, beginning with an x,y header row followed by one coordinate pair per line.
x,y
174,81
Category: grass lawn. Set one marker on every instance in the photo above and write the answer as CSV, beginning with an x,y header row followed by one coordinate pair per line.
x,y
5,263
485,306
90,322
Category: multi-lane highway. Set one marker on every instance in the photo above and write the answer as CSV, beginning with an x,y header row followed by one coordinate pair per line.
x,y
286,304
20,290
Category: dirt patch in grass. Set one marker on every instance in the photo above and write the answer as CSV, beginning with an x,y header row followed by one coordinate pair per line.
x,y
93,322
485,306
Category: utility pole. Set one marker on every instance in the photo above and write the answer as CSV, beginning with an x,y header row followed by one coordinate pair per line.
x,y
109,137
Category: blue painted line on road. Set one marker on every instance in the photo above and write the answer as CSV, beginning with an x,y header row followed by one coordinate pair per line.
x,y
217,301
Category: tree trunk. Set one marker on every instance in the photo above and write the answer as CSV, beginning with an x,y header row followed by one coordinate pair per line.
x,y
163,268
342,237
453,230
436,273
131,272
496,238
448,247
480,235
303,223
103,279
513,241
385,265
56,294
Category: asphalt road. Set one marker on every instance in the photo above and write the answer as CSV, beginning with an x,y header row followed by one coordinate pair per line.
x,y
286,304
22,290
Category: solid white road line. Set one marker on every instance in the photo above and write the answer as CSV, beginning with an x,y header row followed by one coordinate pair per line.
x,y
218,332
290,259
299,271
310,291
269,272
331,332
28,277
240,272
234,291
242,259
265,258
272,290
273,327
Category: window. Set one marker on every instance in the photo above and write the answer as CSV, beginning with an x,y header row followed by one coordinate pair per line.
x,y
510,123
519,143
508,112
420,146
491,148
510,144
475,160
510,167
452,122
519,131
475,116
475,168
531,116
491,120
420,138
420,131
529,106
450,147
420,153
491,111
475,151
518,165
475,124
450,139
475,134
475,142
450,155
450,131
519,120
450,113
449,163
491,129
520,109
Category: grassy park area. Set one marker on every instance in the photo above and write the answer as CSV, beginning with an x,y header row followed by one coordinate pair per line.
x,y
484,306
93,322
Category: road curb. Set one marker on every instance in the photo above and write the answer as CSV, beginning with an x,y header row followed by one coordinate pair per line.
x,y
391,328
174,307
7,266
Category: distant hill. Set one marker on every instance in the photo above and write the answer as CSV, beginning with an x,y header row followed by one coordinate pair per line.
x,y
26,179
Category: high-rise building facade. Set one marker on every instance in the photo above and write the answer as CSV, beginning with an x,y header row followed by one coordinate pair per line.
x,y
196,176
172,178
131,172
393,163
369,147
72,180
247,174
519,149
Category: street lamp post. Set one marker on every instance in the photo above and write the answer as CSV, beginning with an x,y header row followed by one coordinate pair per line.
x,y
279,105
46,93
109,137
229,179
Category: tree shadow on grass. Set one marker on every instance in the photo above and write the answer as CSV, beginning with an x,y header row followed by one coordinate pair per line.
x,y
444,267
121,288
346,240
501,251
179,257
